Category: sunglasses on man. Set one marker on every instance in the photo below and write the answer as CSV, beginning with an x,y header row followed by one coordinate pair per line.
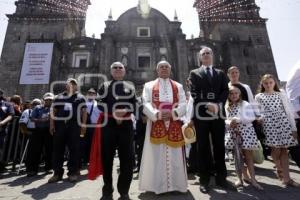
x,y
205,53
117,67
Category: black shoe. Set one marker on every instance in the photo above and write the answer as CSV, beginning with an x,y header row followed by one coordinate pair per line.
x,y
55,178
191,170
204,189
77,172
107,197
124,197
73,178
107,190
226,185
47,172
31,173
2,167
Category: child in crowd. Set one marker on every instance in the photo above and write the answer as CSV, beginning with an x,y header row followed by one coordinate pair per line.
x,y
240,116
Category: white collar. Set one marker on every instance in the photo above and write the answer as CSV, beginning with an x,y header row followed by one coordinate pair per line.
x,y
210,67
230,84
163,80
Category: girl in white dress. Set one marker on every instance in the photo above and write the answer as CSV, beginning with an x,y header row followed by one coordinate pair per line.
x,y
278,126
240,116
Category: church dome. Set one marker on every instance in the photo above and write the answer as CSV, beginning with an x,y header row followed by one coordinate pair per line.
x,y
129,23
133,13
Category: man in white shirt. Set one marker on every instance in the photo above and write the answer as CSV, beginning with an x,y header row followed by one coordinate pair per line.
x,y
293,89
27,126
92,106
209,89
293,93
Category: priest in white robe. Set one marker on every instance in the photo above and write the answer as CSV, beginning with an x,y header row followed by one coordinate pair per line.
x,y
163,166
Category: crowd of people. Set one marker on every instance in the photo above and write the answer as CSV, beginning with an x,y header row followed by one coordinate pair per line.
x,y
147,133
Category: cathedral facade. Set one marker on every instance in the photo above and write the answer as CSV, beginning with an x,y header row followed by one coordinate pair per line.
x,y
139,38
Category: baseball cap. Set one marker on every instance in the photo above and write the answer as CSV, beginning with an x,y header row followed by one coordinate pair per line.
x,y
48,95
36,101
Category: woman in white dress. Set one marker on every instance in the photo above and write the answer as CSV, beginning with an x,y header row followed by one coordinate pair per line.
x,y
240,116
278,125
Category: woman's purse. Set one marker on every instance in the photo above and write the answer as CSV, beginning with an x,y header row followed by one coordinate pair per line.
x,y
258,155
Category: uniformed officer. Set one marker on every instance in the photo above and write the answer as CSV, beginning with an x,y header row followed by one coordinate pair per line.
x,y
67,123
118,96
93,113
27,126
41,137
6,115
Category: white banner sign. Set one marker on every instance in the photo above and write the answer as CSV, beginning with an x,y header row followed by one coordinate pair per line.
x,y
36,63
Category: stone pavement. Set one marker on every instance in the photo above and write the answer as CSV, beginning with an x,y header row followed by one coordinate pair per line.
x,y
21,187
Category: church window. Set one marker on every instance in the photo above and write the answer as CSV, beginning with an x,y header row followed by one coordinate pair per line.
x,y
82,62
144,61
81,59
143,31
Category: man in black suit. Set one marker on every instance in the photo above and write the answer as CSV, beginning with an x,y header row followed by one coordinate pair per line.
x,y
118,102
209,88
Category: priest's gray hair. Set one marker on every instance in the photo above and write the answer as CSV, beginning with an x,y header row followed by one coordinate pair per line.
x,y
117,64
163,62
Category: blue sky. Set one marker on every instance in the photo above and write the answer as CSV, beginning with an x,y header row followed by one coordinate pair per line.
x,y
283,24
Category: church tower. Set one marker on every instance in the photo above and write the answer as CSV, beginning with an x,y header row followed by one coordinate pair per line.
x,y
242,32
38,21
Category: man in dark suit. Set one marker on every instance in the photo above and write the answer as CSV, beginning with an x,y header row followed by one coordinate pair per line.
x,y
209,88
118,102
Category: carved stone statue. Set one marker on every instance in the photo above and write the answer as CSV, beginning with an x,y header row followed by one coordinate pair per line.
x,y
144,8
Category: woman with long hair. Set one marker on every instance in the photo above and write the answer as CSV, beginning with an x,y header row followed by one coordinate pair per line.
x,y
278,125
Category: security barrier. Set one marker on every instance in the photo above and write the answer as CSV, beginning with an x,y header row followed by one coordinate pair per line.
x,y
14,144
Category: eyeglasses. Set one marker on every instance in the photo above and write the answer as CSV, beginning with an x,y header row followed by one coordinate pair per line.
x,y
117,67
206,53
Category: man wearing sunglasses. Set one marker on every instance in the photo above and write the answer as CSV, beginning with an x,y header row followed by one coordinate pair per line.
x,y
118,102
209,89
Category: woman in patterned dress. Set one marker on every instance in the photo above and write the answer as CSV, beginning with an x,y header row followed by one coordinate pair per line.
x,y
278,126
240,116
